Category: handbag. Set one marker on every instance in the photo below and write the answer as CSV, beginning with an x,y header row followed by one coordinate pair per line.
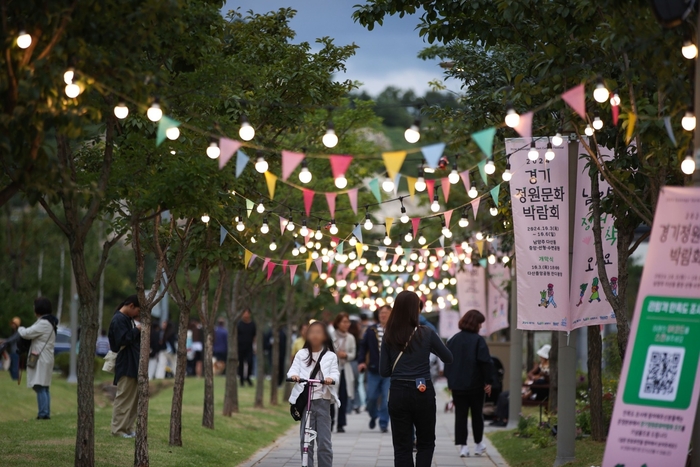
x,y
33,358
404,348
111,360
296,409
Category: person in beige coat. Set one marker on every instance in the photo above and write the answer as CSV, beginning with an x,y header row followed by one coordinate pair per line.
x,y
346,349
43,336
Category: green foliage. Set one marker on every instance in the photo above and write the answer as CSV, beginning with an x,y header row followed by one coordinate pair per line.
x,y
62,361
583,413
540,435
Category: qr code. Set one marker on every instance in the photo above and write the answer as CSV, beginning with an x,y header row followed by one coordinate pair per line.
x,y
662,372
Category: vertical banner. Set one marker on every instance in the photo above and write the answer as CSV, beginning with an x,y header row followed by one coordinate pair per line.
x,y
540,198
449,323
658,392
471,290
588,303
498,298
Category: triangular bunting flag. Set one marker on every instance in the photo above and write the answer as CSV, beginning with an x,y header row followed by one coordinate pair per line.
x,y
164,124
430,186
252,258
482,171
411,182
465,179
249,205
319,265
357,232
283,224
495,191
389,221
445,185
330,199
228,148
317,290
284,265
359,249
669,130
340,247
393,162
415,221
340,164
270,268
374,187
484,139
482,262
308,200
576,98
524,127
271,181
352,195
480,247
247,257
265,263
631,120
433,153
308,263
396,258
615,114
241,161
442,241
222,235
292,272
475,206
448,217
290,161
397,180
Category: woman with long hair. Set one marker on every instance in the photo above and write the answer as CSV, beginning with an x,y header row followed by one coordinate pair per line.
x,y
469,377
405,357
345,349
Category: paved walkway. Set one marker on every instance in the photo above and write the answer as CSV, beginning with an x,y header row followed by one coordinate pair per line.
x,y
361,447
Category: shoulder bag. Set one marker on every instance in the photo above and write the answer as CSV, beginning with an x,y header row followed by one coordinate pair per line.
x,y
404,349
296,409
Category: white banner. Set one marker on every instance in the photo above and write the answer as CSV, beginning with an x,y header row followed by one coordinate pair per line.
x,y
498,298
449,323
540,198
471,289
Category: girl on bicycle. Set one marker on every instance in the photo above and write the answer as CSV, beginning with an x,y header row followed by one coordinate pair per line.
x,y
318,346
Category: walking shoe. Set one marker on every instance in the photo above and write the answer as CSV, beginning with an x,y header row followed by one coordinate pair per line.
x,y
341,430
372,423
129,435
480,449
385,429
464,452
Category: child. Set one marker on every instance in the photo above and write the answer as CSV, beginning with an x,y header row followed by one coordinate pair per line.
x,y
317,340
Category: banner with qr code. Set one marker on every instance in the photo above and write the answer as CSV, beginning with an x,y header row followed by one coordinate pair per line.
x,y
658,392
471,289
588,303
539,192
498,298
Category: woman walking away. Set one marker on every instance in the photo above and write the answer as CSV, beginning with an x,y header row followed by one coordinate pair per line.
x,y
469,377
317,348
40,359
346,350
405,357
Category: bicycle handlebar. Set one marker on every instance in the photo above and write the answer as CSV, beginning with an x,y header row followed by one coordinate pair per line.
x,y
312,381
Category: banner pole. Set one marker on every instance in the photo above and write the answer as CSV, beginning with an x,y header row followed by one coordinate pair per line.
x,y
515,377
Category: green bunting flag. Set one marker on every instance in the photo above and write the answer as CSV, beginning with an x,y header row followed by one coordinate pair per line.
x,y
164,124
482,171
495,191
374,186
482,262
484,139
249,205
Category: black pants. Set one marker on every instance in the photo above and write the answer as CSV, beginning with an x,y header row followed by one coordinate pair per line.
x,y
343,397
409,408
502,406
245,356
466,401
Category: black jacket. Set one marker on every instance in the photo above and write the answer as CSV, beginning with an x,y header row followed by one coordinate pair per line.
x,y
369,345
471,368
123,333
415,361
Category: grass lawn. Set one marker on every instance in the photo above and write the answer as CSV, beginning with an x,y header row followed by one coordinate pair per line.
x,y
521,452
26,442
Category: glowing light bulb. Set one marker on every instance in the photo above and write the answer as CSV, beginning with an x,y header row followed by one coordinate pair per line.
x,y
404,217
549,154
68,75
453,177
24,40
505,259
533,154
240,226
435,205
398,250
446,232
334,228
615,99
512,117
463,221
261,165
688,165
489,238
387,240
420,185
172,133
689,50
493,211
557,140
479,236
408,237
253,239
600,93
341,182
205,218
305,175
589,130
121,111
507,174
295,251
72,90
368,223
290,225
352,242
246,131
492,259
264,228
490,168
688,120
412,133
473,193
304,231
422,240
388,185
597,123
154,112
330,139
273,245
260,208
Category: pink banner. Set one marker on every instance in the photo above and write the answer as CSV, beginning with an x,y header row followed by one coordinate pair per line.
x,y
498,298
449,323
471,289
658,392
539,190
587,300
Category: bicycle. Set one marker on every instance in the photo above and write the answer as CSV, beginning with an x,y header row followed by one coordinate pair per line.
x,y
309,434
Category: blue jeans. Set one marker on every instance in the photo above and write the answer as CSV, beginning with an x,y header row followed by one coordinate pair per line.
x,y
377,398
14,366
43,400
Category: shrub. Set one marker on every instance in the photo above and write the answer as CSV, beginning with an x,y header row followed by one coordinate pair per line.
x,y
62,362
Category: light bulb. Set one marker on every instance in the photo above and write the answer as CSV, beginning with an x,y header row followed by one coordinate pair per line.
x,y
341,182
557,140
479,236
489,238
264,228
352,241
492,259
314,255
688,165
330,139
408,237
304,231
494,211
302,249
290,225
422,240
334,228
463,221
615,99
387,240
549,154
154,112
453,177
205,218
388,185
68,75
507,174
446,232
589,130
597,123
240,226
533,154
688,121
435,206
72,90
420,182
273,245
24,40
318,235
600,93
261,165
398,250
172,133
368,224
253,239
689,50
404,217
473,193
305,176
412,133
490,168
246,131
295,251
121,111
512,117
260,208
505,259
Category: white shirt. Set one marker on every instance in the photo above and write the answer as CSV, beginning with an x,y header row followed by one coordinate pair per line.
x,y
328,369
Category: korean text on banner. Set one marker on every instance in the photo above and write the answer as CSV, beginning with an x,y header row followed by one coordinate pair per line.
x,y
471,289
658,392
588,303
539,190
498,298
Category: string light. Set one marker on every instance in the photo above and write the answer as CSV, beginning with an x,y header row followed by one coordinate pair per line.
x,y
341,182
295,251
318,235
533,154
445,230
387,240
246,131
494,211
422,240
420,182
261,207
507,174
154,112
490,168
264,228
121,111
453,177
205,218
412,133
261,164
505,259
489,238
408,237
473,192
304,230
464,220
368,222
435,206
253,239
404,217
330,139
688,164
24,40
688,120
68,75
600,93
290,223
388,185
172,133
305,175
399,250
334,228
615,99
512,117
589,130
549,154
492,259
273,245
72,90
240,226
689,50
352,242
479,236
597,122
558,140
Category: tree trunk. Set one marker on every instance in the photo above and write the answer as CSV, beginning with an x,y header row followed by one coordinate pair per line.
x,y
530,359
141,458
595,382
554,373
260,369
180,373
274,383
208,355
231,391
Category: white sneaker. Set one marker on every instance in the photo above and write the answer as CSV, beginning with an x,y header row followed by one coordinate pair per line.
x,y
464,452
480,449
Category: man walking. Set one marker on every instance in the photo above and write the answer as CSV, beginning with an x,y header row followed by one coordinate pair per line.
x,y
377,386
125,339
246,339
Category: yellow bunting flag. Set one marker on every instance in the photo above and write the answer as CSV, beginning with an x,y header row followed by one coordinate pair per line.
x,y
480,247
308,263
271,182
393,162
360,249
389,221
246,257
411,186
314,276
631,120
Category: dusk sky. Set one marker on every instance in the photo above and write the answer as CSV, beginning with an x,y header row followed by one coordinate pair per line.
x,y
387,55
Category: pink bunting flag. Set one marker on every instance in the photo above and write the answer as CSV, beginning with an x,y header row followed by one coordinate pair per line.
x,y
308,200
228,148
319,265
290,161
252,258
615,114
306,238
284,265
292,272
330,199
329,268
465,179
345,273
335,240
448,217
270,268
266,262
445,185
576,98
475,206
396,258
352,194
430,184
415,221
524,127
340,164
283,224
336,297
317,290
